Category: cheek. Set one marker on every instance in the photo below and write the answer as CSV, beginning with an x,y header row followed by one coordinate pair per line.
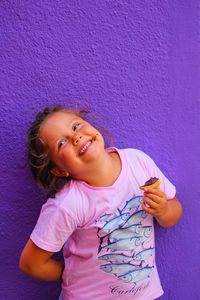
x,y
65,156
88,129
99,137
92,131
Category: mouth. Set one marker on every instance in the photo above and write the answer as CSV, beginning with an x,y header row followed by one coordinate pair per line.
x,y
85,146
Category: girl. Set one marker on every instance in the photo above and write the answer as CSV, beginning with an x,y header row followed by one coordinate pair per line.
x,y
96,210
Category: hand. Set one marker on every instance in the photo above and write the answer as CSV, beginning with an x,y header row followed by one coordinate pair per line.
x,y
154,202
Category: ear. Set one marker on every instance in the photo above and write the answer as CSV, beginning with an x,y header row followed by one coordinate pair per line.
x,y
59,173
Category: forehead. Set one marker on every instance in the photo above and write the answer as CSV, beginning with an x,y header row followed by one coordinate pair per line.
x,y
56,122
58,118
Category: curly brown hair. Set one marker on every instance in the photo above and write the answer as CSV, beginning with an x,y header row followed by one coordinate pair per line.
x,y
38,153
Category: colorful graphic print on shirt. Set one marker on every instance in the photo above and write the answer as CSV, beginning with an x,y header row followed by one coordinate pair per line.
x,y
122,239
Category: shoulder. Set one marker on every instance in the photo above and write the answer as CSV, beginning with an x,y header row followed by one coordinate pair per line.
x,y
144,167
135,154
58,218
70,203
67,201
137,160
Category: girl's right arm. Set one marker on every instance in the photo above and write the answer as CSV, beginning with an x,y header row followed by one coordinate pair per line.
x,y
37,263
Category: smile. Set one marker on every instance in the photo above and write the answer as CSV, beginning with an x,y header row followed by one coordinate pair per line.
x,y
85,147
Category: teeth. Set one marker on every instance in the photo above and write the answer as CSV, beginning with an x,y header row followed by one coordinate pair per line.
x,y
85,147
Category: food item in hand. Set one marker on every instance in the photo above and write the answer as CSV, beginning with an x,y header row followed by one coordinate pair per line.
x,y
152,183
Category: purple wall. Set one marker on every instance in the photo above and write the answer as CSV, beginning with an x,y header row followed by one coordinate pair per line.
x,y
137,63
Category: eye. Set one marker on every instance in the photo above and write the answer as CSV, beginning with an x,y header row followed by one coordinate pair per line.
x,y
75,126
61,143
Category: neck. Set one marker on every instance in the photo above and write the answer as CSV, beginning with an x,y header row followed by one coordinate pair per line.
x,y
105,171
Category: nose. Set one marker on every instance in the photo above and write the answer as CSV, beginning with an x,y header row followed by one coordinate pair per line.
x,y
76,138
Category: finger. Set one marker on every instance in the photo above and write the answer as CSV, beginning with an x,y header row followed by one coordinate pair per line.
x,y
151,203
147,209
156,192
153,191
154,198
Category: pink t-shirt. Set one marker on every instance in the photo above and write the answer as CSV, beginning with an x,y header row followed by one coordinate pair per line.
x,y
108,239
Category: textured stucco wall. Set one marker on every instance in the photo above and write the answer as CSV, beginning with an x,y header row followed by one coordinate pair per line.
x,y
135,62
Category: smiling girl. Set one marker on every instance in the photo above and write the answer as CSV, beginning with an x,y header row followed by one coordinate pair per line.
x,y
95,211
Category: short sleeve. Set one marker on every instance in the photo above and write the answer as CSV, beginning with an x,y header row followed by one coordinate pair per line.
x,y
53,227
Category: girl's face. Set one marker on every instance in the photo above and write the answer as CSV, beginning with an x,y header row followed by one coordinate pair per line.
x,y
73,143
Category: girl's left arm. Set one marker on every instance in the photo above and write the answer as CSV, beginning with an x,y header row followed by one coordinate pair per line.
x,y
166,211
